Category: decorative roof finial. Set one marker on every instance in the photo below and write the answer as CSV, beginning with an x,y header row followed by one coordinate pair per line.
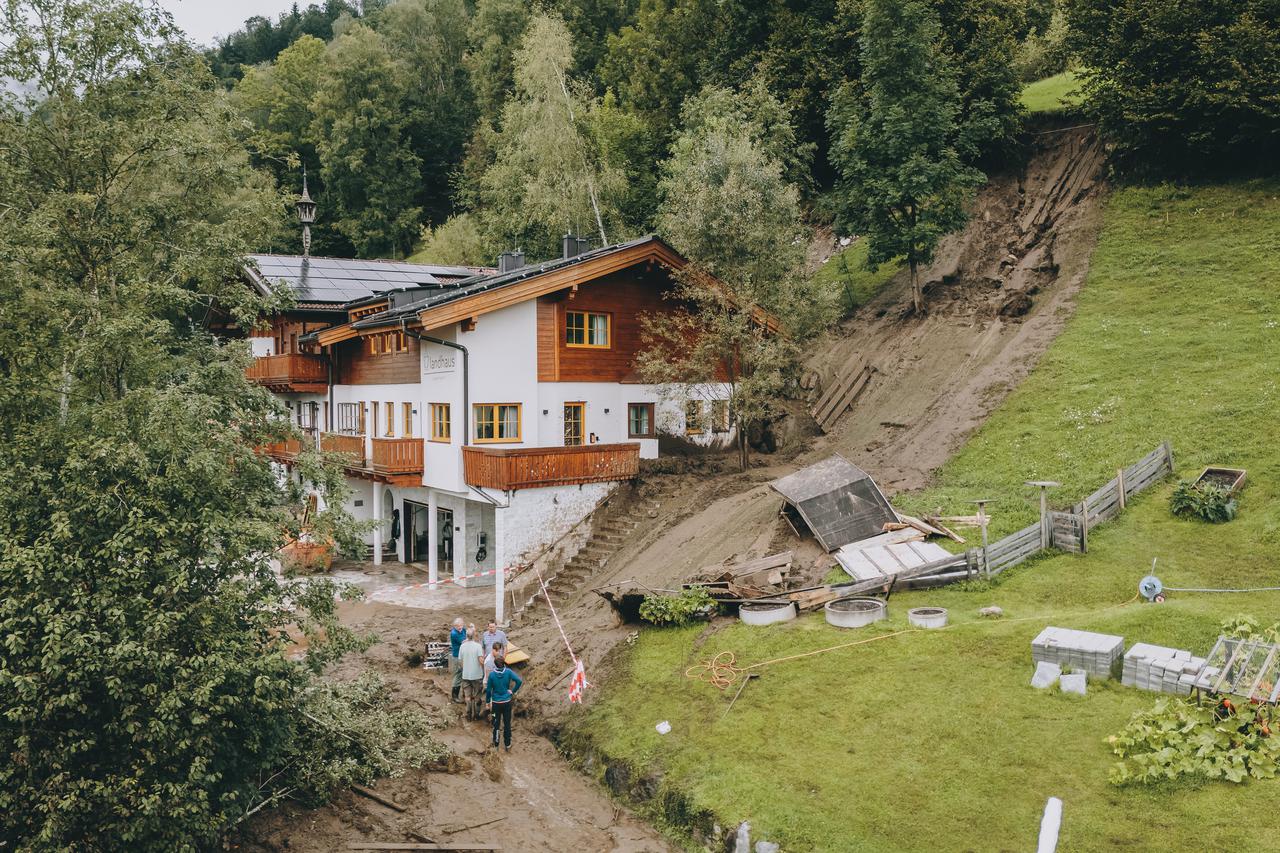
x,y
306,214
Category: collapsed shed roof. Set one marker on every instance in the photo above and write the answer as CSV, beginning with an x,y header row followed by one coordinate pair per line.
x,y
838,500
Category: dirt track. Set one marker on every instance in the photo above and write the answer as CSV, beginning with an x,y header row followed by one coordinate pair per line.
x,y
998,295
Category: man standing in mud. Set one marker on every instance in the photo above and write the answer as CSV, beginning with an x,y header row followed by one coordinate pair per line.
x,y
456,638
500,690
493,634
471,656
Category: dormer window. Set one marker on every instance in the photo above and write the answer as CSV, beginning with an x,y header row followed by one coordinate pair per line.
x,y
586,329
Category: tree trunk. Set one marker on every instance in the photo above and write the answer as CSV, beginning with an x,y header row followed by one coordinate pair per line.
x,y
743,448
917,294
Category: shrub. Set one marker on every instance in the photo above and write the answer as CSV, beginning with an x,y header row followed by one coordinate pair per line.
x,y
677,610
1207,502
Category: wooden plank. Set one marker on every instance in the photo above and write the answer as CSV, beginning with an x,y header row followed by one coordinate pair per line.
x,y
378,798
851,396
461,845
839,385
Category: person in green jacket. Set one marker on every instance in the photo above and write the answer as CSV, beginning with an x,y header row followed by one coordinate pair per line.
x,y
500,688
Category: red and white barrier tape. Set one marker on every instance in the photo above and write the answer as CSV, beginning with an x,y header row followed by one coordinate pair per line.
x,y
510,572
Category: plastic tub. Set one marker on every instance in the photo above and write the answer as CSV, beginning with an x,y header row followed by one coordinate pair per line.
x,y
928,617
855,612
763,613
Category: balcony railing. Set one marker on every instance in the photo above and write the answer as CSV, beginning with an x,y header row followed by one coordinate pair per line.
x,y
397,455
351,445
294,371
536,467
286,449
388,457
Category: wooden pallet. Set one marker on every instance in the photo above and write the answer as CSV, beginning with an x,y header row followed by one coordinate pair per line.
x,y
842,393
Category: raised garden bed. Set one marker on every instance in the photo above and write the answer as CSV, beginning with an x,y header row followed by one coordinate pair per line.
x,y
1231,479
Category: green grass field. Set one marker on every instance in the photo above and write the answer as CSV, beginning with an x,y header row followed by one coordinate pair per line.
x,y
934,740
1052,94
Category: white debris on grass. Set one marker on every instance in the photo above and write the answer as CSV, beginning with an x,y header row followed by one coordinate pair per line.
x,y
1073,682
992,612
663,727
1046,674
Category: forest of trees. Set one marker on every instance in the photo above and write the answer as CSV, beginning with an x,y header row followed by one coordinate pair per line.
x,y
459,128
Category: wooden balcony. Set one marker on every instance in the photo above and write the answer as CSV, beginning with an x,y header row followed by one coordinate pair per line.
x,y
351,445
391,460
537,467
397,456
298,373
283,451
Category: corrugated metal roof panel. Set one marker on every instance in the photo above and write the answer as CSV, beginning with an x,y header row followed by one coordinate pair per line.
x,y
838,500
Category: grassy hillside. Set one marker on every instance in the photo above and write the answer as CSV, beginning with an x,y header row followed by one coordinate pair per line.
x,y
846,274
1052,94
934,740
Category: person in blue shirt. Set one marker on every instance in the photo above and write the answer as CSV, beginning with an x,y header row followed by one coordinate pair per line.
x,y
457,636
493,634
500,688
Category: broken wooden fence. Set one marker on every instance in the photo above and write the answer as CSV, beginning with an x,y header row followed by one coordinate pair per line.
x,y
1069,530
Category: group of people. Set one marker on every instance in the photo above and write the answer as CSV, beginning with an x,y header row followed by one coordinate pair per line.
x,y
479,668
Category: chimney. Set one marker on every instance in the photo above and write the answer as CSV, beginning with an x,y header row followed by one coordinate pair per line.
x,y
508,261
574,246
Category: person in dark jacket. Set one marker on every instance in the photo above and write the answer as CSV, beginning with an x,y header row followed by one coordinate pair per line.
x,y
500,688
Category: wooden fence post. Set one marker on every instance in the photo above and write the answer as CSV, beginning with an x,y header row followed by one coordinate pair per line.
x,y
1120,485
1044,485
1168,454
1084,529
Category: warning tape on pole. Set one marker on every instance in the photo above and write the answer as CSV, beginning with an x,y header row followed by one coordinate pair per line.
x,y
510,571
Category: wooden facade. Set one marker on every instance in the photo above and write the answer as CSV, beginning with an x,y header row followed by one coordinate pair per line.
x,y
625,297
537,467
355,364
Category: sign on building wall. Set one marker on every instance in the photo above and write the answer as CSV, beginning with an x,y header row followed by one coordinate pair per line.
x,y
438,360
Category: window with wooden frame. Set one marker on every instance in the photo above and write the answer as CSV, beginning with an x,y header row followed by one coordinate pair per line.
x,y
496,422
387,343
440,429
575,419
408,420
587,329
351,418
693,422
389,410
640,420
719,415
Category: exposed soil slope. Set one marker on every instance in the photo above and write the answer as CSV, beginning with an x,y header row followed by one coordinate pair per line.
x,y
997,295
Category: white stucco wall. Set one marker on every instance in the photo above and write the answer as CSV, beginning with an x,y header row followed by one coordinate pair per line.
x,y
534,518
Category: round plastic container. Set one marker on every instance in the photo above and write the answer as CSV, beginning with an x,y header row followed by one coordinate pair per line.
x,y
928,617
855,612
766,614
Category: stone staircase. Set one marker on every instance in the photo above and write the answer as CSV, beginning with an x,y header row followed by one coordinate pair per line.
x,y
608,535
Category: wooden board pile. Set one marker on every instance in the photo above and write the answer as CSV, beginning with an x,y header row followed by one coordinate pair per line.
x,y
758,578
766,580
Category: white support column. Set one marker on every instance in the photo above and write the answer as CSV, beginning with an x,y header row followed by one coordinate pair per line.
x,y
433,538
461,544
377,523
500,578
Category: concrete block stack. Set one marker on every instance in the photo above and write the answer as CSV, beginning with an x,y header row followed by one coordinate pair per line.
x,y
1096,654
1160,669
